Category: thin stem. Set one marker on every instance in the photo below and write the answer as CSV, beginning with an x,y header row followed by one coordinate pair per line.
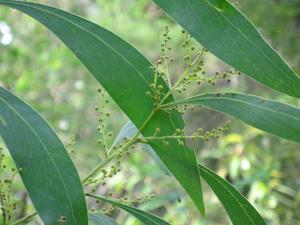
x,y
168,74
102,164
172,137
110,149
125,146
91,174
132,140
179,102
104,139
2,204
95,196
178,82
22,220
97,168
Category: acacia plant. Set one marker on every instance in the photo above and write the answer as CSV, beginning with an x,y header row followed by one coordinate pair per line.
x,y
152,101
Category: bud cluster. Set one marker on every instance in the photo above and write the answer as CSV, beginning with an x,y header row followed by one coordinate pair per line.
x,y
71,144
194,73
104,135
7,176
105,173
125,200
180,136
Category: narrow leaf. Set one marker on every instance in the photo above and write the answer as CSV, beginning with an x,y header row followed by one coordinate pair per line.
x,y
240,211
238,208
47,170
271,116
128,131
144,217
99,219
126,76
228,34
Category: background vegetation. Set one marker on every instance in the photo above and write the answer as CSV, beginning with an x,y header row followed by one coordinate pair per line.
x,y
36,66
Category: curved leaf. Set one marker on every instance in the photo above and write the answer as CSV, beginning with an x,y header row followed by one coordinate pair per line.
x,y
47,170
144,217
271,116
228,34
126,76
128,131
237,206
240,211
99,219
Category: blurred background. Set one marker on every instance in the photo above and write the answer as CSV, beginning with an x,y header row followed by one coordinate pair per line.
x,y
37,67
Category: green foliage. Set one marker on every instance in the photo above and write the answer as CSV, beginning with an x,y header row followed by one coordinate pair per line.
x,y
99,219
230,36
146,93
270,116
146,218
7,203
239,209
133,67
46,169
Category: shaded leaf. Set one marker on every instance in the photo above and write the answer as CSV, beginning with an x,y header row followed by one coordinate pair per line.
x,y
228,34
99,219
271,116
126,76
144,217
128,131
237,206
240,211
47,170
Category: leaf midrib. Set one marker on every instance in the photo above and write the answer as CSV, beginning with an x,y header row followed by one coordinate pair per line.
x,y
137,212
191,100
48,154
131,210
141,214
259,50
232,195
85,30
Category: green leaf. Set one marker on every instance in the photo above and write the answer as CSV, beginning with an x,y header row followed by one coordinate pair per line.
x,y
271,116
99,219
47,170
240,211
125,74
238,208
128,131
228,34
144,217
